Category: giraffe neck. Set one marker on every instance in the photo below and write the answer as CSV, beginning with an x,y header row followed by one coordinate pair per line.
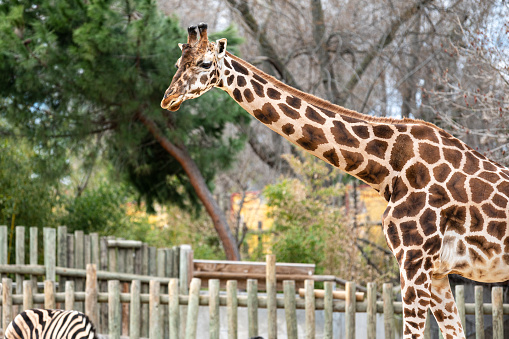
x,y
371,149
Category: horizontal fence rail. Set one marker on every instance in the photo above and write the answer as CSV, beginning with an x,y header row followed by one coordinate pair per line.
x,y
129,324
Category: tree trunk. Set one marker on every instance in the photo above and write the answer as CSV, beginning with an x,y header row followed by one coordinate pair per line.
x,y
200,187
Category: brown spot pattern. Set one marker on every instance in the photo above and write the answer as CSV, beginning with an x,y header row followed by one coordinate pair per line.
x,y
428,222
373,173
288,129
267,114
453,157
332,157
481,190
418,175
453,218
313,115
293,101
429,153
410,234
392,235
239,68
423,132
441,172
402,152
361,131
289,112
497,229
456,186
476,219
343,136
432,245
471,164
383,131
311,138
259,78
237,95
258,88
493,212
248,95
273,93
377,148
230,79
483,244
241,81
438,196
411,206
353,160
413,262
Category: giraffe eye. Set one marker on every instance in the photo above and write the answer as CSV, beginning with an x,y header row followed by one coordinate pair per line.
x,y
176,66
206,64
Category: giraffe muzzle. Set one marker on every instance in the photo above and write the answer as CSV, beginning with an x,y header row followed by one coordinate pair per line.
x,y
171,102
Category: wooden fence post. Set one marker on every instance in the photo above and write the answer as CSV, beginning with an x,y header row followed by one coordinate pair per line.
x,y
69,295
214,324
95,257
103,266
91,293
479,312
79,262
388,311
62,246
252,307
231,308
328,309
28,295
114,309
144,289
87,255
3,246
49,253
185,269
371,299
34,244
161,262
155,330
134,328
350,310
20,256
498,312
460,303
192,315
290,311
49,294
309,286
271,296
6,302
174,309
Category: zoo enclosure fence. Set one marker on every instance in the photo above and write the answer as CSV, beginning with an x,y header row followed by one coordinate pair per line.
x,y
119,305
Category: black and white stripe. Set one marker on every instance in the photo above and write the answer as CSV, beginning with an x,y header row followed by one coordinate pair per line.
x,y
50,324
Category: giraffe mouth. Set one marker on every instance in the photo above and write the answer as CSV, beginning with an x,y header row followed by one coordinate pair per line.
x,y
174,107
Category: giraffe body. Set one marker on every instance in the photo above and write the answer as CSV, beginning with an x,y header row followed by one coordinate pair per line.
x,y
448,209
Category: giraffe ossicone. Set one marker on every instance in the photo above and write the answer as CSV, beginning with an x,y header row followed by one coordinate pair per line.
x,y
448,209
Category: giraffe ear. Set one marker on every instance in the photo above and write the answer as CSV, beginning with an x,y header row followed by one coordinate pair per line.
x,y
180,46
221,48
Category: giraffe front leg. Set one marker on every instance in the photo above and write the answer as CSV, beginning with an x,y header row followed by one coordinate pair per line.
x,y
416,299
444,309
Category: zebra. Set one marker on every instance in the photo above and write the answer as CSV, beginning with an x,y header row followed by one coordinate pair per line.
x,y
50,324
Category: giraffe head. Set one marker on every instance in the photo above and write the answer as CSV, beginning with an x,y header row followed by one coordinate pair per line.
x,y
198,69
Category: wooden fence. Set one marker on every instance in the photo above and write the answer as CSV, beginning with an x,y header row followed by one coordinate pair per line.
x,y
184,324
129,302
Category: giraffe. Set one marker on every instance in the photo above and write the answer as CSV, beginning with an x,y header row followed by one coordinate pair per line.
x,y
447,209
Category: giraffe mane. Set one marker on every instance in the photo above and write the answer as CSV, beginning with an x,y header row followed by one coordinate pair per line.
x,y
322,103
